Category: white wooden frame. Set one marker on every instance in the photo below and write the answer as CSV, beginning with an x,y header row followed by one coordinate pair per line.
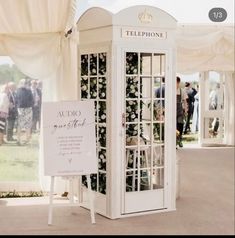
x,y
71,198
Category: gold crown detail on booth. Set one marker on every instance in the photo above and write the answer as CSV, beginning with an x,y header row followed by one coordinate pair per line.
x,y
145,17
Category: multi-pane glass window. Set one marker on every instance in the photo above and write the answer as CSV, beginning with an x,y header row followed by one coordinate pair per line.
x,y
94,87
144,110
214,103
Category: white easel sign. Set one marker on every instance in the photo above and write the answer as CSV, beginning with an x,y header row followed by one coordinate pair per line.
x,y
69,144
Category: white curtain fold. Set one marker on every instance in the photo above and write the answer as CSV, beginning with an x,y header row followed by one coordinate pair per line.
x,y
34,16
36,55
32,33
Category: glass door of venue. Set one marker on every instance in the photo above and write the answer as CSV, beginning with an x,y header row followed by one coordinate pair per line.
x,y
144,126
212,110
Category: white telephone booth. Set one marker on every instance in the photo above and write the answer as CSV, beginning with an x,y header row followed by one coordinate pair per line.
x,y
123,60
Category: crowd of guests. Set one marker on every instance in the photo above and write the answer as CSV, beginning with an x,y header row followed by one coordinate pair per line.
x,y
20,110
187,103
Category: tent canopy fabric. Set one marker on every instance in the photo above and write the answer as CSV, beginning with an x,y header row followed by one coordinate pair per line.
x,y
32,33
204,48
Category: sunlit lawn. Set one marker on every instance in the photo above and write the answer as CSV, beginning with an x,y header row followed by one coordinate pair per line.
x,y
19,163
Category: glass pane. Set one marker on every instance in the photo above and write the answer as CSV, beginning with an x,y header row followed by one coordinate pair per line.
x,y
131,111
93,64
158,132
93,181
158,156
102,159
93,87
216,95
145,157
102,88
84,87
159,110
131,181
159,87
159,64
96,112
145,182
84,65
213,128
145,63
145,110
131,63
102,63
102,112
158,178
132,131
102,136
132,157
102,183
146,131
145,87
131,87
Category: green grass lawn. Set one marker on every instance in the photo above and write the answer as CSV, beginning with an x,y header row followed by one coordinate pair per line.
x,y
19,163
190,138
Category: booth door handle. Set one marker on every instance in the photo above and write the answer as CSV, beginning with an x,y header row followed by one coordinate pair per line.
x,y
123,119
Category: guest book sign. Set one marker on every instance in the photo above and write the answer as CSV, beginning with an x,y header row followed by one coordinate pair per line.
x,y
69,144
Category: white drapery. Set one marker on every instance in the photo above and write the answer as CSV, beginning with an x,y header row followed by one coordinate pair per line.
x,y
32,33
203,48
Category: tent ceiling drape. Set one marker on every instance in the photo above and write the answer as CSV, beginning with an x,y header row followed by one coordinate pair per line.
x,y
32,33
205,47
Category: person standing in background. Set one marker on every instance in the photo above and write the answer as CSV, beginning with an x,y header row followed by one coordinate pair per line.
x,y
159,108
4,109
37,104
195,121
24,98
12,111
181,109
190,101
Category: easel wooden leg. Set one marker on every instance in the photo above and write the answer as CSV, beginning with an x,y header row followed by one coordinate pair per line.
x,y
71,192
91,200
51,201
